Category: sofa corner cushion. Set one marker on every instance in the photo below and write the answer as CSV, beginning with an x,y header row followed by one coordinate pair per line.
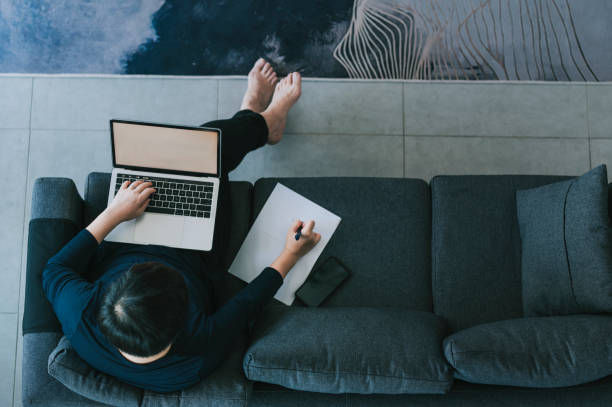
x,y
350,350
566,261
226,386
555,351
68,368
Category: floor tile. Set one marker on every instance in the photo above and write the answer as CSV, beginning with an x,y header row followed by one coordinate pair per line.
x,y
89,103
231,92
601,153
15,103
252,166
13,166
335,155
8,330
600,107
18,365
68,153
328,107
428,156
492,109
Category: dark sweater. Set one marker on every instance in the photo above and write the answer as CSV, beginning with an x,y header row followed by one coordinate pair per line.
x,y
204,340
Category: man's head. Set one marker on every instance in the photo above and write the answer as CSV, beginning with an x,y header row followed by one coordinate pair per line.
x,y
143,311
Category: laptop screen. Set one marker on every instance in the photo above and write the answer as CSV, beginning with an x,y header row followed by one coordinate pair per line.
x,y
160,147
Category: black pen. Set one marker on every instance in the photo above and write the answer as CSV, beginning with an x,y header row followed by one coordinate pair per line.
x,y
299,233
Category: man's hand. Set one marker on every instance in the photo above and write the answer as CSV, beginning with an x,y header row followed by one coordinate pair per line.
x,y
295,249
129,203
131,200
307,240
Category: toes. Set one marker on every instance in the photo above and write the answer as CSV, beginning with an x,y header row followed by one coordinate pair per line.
x,y
297,78
259,63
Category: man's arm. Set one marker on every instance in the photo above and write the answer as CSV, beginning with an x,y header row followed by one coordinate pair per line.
x,y
62,279
224,325
218,331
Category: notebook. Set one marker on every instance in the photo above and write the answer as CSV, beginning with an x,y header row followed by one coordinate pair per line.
x,y
266,239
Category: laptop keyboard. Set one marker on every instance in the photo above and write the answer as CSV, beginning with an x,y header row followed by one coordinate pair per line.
x,y
174,196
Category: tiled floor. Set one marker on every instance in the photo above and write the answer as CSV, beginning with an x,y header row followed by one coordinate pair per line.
x,y
58,126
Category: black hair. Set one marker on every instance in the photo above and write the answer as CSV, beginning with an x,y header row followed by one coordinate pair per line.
x,y
143,311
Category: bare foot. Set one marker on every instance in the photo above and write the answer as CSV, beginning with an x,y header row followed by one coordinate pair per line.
x,y
286,94
262,80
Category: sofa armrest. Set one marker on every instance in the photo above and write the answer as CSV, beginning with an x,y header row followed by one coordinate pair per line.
x,y
56,216
349,350
555,351
56,198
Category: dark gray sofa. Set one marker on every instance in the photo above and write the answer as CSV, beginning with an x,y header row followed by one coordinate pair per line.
x,y
450,248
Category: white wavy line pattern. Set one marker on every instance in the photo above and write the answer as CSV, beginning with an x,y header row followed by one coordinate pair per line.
x,y
463,39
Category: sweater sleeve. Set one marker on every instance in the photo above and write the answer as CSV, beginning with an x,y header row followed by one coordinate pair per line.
x,y
63,282
217,331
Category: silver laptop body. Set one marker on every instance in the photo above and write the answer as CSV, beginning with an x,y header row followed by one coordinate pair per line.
x,y
184,164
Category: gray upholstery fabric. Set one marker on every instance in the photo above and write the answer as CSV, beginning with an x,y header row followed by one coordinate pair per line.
x,y
463,394
227,386
69,369
534,352
38,388
566,246
56,216
383,238
96,195
349,350
476,251
56,198
219,389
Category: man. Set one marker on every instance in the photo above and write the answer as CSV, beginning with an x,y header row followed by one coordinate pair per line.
x,y
149,318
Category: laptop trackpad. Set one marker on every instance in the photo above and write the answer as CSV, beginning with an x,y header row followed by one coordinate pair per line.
x,y
164,230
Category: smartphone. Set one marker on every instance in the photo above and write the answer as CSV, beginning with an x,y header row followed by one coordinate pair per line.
x,y
322,282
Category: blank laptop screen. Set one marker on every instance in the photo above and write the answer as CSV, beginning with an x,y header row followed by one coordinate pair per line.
x,y
157,147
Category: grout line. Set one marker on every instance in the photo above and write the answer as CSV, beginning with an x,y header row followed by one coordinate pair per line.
x,y
403,130
320,134
23,237
588,121
308,79
217,115
493,137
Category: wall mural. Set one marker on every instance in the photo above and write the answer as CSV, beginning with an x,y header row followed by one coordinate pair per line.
x,y
552,40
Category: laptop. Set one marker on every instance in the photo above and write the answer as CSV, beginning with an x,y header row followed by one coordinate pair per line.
x,y
184,165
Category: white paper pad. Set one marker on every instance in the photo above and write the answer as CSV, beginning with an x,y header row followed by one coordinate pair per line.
x,y
266,239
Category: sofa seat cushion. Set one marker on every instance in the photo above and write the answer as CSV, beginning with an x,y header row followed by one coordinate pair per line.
x,y
384,237
553,351
566,247
349,350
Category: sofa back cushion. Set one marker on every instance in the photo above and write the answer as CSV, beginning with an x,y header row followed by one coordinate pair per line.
x,y
566,246
349,350
383,237
476,247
